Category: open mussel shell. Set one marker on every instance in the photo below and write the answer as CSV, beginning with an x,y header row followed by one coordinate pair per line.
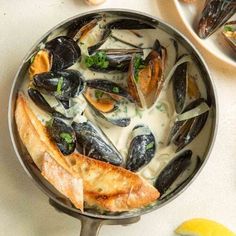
x,y
122,24
110,87
80,28
180,86
113,60
145,77
121,122
65,52
142,148
214,15
62,84
173,169
104,96
92,142
63,135
40,101
103,102
229,33
184,132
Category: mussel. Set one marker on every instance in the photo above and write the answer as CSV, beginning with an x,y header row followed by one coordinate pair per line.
x,y
62,84
173,169
40,101
229,33
104,96
182,182
183,132
142,148
58,54
146,77
111,60
122,24
63,135
65,52
180,86
214,15
78,29
110,87
92,142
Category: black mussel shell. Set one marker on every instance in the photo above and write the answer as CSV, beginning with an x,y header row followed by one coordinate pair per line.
x,y
184,182
180,86
214,15
122,24
65,52
174,168
93,143
109,87
142,148
62,84
184,132
40,101
79,28
63,135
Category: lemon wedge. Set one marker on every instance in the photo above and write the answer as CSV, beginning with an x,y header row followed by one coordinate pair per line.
x,y
203,227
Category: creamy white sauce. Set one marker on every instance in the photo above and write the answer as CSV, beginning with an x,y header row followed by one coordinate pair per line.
x,y
159,119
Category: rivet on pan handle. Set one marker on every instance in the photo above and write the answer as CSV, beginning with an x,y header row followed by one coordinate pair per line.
x,y
91,226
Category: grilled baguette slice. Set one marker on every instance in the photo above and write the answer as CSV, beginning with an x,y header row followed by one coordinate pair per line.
x,y
105,186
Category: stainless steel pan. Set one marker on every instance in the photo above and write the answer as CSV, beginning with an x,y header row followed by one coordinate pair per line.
x,y
91,221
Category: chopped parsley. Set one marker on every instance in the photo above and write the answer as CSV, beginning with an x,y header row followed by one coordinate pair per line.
x,y
59,85
98,94
150,145
49,123
32,59
115,89
99,59
228,28
161,107
138,64
67,137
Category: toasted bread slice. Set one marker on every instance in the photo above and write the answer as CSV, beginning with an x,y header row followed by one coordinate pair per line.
x,y
63,181
105,186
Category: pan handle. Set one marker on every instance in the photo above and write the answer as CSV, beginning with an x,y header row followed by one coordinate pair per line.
x,y
90,226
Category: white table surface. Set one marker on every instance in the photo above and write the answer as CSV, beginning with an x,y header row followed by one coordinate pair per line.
x,y
24,209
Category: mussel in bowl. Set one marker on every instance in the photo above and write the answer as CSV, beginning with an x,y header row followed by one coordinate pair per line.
x,y
92,142
142,148
62,84
57,54
146,77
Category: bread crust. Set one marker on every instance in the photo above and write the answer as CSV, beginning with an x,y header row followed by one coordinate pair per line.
x,y
105,186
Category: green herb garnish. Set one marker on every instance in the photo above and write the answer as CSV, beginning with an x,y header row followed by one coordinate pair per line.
x,y
138,64
98,94
115,89
67,137
150,145
49,123
228,28
161,107
59,85
98,60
